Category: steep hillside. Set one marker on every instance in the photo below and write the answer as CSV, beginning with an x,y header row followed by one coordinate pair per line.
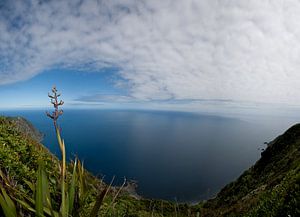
x,y
270,188
20,153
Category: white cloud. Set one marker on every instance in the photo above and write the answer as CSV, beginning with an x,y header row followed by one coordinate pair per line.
x,y
201,49
116,98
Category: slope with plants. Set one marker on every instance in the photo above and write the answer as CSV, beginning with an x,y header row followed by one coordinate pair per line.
x,y
269,188
20,157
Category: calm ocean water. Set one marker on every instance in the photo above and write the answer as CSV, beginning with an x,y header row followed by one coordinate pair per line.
x,y
172,155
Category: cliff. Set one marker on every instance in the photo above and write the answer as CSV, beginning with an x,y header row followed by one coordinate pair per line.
x,y
269,188
20,152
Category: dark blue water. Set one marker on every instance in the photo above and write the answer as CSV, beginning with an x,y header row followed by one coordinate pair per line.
x,y
172,155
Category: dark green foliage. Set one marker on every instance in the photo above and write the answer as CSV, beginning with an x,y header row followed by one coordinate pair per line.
x,y
20,155
269,188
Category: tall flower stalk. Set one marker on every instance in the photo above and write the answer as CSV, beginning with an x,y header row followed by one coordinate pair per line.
x,y
73,194
54,116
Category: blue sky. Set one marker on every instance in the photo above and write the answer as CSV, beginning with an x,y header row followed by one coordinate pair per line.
x,y
195,55
74,85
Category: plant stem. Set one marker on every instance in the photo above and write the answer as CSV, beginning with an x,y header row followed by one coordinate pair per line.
x,y
63,169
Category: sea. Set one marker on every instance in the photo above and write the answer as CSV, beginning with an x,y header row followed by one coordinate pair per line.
x,y
178,156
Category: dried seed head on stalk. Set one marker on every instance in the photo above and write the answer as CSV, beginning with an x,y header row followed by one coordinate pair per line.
x,y
56,103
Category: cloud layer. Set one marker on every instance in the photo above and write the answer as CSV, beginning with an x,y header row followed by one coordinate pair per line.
x,y
172,49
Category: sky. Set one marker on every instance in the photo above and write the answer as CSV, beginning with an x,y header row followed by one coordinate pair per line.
x,y
198,55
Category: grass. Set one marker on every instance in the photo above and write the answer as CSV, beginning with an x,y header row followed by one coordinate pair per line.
x,y
269,188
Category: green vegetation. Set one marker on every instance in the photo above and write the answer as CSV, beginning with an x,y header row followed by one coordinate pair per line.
x,y
33,182
270,188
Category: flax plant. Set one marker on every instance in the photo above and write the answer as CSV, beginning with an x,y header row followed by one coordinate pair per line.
x,y
72,196
68,197
54,116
